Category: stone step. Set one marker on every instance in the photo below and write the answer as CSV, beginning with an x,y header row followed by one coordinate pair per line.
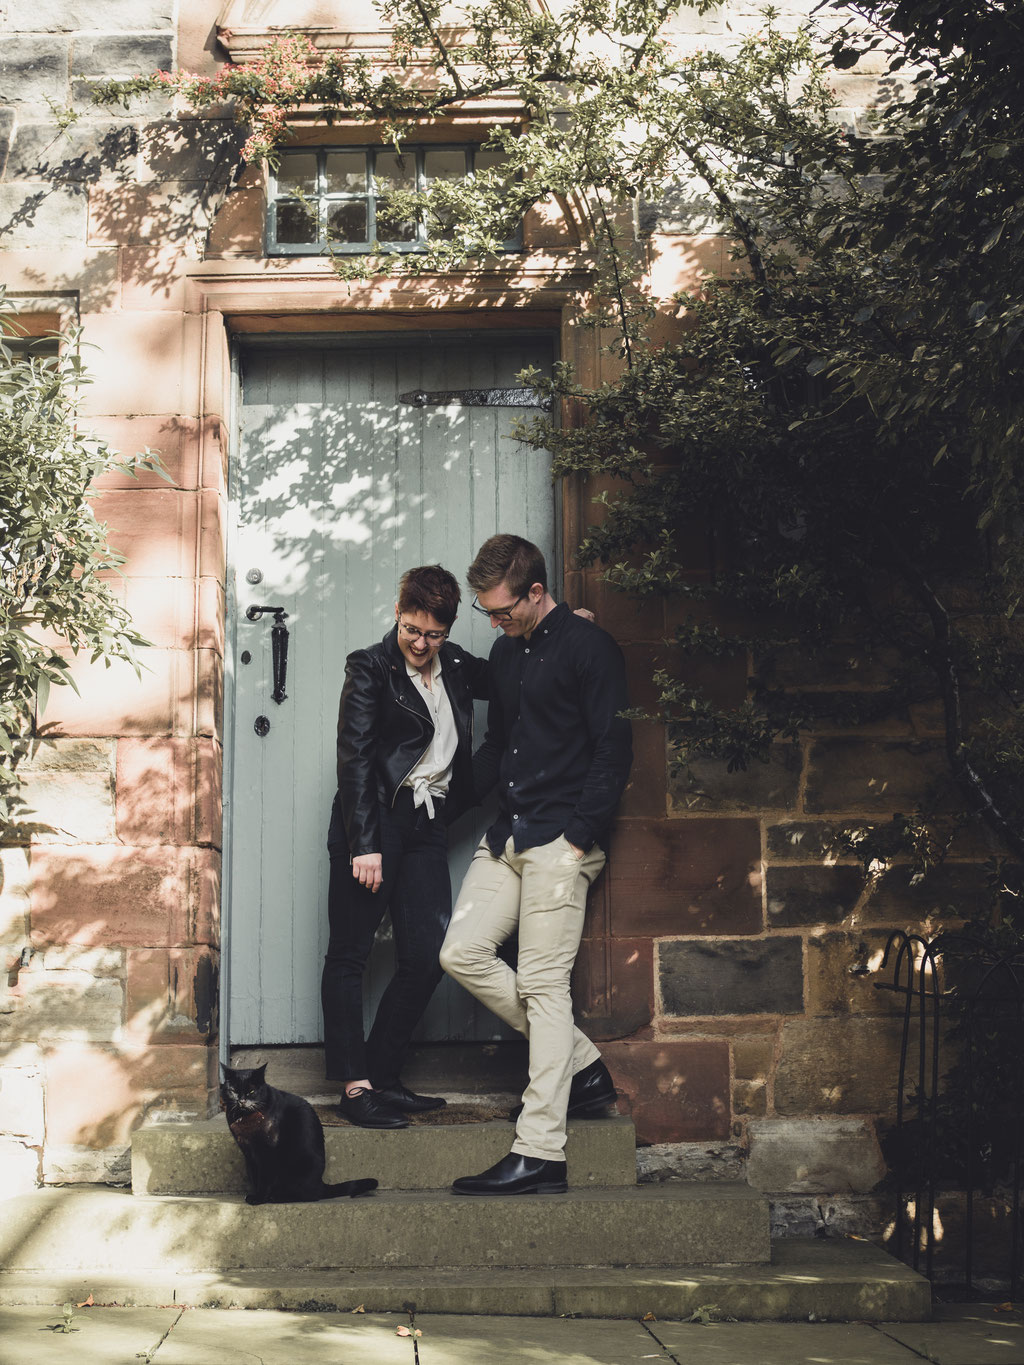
x,y
827,1280
203,1158
99,1229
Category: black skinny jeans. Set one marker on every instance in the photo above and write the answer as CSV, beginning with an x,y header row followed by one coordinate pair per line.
x,y
416,889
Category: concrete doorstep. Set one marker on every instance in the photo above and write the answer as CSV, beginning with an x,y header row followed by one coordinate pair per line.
x,y
203,1158
835,1280
98,1228
176,1336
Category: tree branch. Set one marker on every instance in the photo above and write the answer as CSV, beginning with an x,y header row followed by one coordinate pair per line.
x,y
442,50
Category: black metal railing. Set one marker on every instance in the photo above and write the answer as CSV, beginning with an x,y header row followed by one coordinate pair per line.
x,y
960,1095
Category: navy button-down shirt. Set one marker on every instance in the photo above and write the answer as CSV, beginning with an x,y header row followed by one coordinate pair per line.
x,y
555,746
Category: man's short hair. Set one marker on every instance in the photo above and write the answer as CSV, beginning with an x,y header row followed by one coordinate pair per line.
x,y
510,560
432,589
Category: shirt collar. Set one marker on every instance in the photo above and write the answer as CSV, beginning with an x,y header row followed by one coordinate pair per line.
x,y
414,673
555,618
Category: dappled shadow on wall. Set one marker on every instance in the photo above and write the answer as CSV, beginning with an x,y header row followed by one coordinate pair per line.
x,y
152,189
110,994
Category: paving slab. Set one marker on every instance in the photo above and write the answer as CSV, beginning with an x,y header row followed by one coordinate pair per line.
x,y
100,1336
780,1343
961,1335
545,1341
225,1337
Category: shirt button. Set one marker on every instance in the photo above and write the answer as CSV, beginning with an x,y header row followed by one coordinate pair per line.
x,y
515,817
515,751
511,784
526,651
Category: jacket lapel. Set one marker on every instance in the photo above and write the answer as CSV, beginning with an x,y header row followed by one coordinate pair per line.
x,y
404,687
451,664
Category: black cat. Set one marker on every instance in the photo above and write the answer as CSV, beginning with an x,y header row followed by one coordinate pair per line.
x,y
282,1140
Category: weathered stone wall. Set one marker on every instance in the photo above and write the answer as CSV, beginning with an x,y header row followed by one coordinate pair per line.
x,y
746,959
109,923
729,965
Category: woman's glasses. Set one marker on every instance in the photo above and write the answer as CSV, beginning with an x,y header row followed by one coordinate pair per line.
x,y
411,633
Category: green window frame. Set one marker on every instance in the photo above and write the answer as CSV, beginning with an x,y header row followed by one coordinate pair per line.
x,y
343,191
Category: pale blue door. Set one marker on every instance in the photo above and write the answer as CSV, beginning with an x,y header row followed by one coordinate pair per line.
x,y
338,487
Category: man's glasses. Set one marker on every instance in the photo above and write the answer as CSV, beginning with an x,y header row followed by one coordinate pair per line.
x,y
504,615
433,636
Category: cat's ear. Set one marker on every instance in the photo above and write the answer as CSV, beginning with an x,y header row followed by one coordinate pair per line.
x,y
260,1072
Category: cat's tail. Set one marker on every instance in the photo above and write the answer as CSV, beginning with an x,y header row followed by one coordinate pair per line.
x,y
350,1187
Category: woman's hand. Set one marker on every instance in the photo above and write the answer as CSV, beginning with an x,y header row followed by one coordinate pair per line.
x,y
366,868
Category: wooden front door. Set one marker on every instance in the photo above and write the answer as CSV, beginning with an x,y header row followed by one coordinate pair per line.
x,y
338,486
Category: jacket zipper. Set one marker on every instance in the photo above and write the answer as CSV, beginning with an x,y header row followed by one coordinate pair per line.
x,y
413,712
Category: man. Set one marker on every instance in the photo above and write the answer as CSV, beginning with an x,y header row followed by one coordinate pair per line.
x,y
404,774
560,753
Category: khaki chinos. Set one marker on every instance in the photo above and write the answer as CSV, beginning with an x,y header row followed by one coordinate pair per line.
x,y
542,892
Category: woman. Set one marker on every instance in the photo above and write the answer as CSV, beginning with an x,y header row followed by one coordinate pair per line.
x,y
404,774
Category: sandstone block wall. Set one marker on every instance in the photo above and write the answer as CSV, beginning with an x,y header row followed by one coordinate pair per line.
x,y
109,924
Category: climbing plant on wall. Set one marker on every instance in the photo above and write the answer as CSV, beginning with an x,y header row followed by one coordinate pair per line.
x,y
58,596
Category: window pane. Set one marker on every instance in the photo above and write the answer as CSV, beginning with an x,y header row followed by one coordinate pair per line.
x,y
297,174
394,170
444,164
393,229
347,220
346,172
296,223
488,157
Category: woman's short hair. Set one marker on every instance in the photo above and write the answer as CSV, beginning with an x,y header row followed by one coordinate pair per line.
x,y
432,589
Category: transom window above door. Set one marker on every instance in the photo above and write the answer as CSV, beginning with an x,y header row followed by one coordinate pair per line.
x,y
338,196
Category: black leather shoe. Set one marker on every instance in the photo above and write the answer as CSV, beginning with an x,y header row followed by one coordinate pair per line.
x,y
590,1094
365,1110
515,1174
407,1101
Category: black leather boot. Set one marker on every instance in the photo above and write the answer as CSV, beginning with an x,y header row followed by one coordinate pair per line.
x,y
515,1174
590,1094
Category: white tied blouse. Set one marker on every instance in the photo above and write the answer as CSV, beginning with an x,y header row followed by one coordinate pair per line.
x,y
433,772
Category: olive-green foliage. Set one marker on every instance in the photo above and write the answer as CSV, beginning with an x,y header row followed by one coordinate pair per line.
x,y
848,414
56,597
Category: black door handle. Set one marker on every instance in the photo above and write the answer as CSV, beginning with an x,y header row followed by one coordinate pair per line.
x,y
279,646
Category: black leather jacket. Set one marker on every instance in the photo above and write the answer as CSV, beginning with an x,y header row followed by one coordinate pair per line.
x,y
384,729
